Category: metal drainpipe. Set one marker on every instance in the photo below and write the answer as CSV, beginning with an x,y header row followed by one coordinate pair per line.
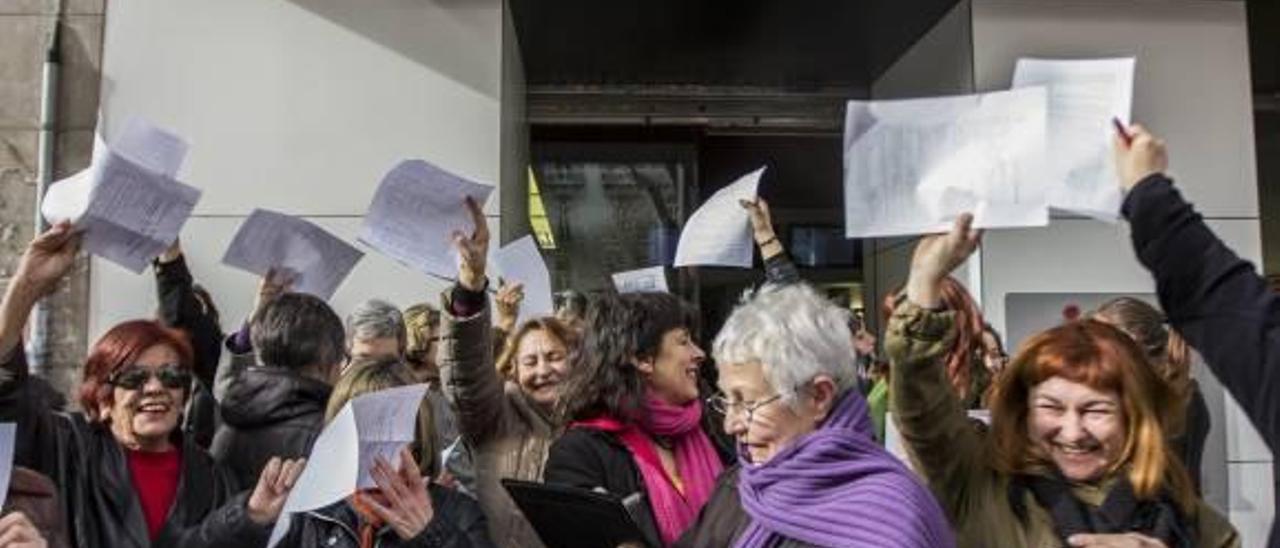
x,y
38,343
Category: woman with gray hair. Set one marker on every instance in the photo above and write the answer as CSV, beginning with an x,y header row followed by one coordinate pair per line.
x,y
375,328
809,469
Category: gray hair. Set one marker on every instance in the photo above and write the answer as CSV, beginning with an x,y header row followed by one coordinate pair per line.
x,y
376,319
794,333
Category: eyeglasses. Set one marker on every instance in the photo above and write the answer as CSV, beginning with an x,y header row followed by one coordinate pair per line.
x,y
135,377
729,408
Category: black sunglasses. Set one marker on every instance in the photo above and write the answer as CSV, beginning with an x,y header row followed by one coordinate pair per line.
x,y
135,377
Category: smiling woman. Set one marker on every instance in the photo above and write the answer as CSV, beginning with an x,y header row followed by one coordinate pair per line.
x,y
1076,451
124,471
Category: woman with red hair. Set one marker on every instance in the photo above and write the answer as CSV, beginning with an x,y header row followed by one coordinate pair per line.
x,y
1076,454
125,473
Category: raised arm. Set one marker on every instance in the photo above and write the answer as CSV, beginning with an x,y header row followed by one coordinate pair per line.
x,y
182,309
46,261
466,350
238,344
943,445
778,268
1215,299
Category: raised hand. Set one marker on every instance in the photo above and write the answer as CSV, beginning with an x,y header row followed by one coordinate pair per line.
x,y
1126,540
408,510
473,249
762,226
507,302
275,283
1142,155
172,253
17,531
274,484
936,256
47,259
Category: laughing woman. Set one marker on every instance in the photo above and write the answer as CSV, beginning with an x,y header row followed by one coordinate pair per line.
x,y
1076,452
634,413
125,474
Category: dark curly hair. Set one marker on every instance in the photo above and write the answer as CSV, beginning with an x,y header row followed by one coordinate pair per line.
x,y
619,329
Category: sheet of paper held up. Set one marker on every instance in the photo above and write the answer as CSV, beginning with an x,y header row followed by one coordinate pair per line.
x,y
414,213
8,433
719,232
520,261
368,426
1084,95
912,166
653,278
318,260
127,201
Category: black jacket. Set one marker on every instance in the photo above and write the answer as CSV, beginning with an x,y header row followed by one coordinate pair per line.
x,y
99,502
268,412
593,459
180,309
458,523
722,520
1215,299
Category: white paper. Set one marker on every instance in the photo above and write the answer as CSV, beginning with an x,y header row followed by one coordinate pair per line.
x,y
520,261
912,166
415,212
719,232
8,433
134,214
318,260
1084,96
127,202
379,423
653,278
151,147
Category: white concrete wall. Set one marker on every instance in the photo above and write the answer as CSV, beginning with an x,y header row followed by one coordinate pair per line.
x,y
1192,88
939,63
302,106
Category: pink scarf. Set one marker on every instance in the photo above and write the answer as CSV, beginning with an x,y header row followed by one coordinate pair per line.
x,y
696,460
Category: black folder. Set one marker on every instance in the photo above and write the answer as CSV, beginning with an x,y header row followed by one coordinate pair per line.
x,y
569,517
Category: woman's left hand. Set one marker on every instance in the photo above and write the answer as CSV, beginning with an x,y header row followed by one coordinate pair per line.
x,y
409,509
274,485
936,256
1126,540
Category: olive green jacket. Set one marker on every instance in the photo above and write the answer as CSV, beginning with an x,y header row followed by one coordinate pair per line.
x,y
955,458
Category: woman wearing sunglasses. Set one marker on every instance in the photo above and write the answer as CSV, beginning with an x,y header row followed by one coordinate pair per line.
x,y
125,473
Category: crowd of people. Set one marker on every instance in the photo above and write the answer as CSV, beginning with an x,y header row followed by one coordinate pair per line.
x,y
186,435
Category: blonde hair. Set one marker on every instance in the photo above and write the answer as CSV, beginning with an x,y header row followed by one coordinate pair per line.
x,y
367,375
562,333
419,321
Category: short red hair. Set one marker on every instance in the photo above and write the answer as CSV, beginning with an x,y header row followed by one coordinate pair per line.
x,y
118,348
1102,357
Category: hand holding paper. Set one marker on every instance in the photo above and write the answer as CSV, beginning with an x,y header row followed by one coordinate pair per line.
x,y
127,202
315,261
719,232
416,211
521,262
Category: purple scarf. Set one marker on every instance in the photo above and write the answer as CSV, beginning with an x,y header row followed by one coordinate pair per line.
x,y
696,459
837,487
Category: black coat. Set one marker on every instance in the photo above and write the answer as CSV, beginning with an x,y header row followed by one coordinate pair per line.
x,y
722,520
1214,299
590,459
99,502
268,412
180,309
458,523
